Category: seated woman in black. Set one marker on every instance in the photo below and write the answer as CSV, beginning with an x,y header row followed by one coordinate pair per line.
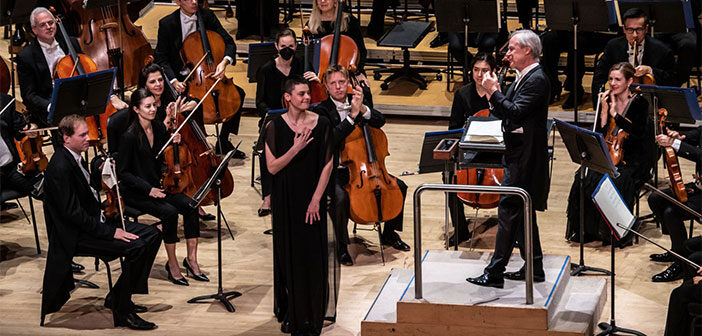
x,y
140,174
630,113
468,100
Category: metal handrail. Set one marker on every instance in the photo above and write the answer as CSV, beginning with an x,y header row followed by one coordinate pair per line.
x,y
479,189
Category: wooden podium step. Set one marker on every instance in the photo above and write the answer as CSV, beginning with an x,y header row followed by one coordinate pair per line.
x,y
452,306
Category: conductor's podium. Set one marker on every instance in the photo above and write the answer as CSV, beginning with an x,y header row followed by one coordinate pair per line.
x,y
452,306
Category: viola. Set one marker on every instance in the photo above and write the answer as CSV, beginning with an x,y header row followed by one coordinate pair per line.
x,y
336,48
671,162
5,78
225,100
32,158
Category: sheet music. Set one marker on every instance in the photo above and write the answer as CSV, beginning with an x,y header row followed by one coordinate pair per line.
x,y
612,207
484,131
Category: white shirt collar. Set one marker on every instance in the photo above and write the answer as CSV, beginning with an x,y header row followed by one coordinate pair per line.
x,y
46,46
75,155
525,71
340,104
184,17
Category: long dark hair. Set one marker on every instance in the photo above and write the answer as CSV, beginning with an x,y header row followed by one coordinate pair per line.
x,y
135,100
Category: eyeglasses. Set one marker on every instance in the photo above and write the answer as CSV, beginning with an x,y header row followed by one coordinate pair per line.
x,y
634,30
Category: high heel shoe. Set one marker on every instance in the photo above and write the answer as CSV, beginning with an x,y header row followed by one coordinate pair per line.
x,y
182,281
189,271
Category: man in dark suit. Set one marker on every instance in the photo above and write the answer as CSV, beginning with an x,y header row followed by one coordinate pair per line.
x,y
672,217
523,110
172,31
345,112
75,224
11,126
653,56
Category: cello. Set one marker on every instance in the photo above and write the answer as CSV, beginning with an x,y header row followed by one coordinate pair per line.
x,y
671,162
336,48
225,100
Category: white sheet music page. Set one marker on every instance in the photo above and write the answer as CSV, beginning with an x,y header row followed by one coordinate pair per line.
x,y
612,207
484,131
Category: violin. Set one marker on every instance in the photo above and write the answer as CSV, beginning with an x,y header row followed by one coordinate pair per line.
x,y
336,48
5,78
615,136
374,195
178,160
671,162
225,100
32,158
646,79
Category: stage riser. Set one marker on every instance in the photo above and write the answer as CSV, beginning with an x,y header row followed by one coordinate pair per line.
x,y
476,316
415,329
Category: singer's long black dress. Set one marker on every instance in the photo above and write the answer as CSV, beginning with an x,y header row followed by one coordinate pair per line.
x,y
305,270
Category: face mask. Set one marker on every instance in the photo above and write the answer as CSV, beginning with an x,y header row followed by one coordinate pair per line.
x,y
286,53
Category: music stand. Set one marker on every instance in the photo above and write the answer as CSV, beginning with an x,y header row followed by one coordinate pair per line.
x,y
85,95
681,103
215,182
11,15
676,15
598,18
479,16
588,149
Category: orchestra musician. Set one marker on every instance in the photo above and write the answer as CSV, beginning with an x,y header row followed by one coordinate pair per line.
x,y
269,95
76,225
672,217
299,156
523,110
11,126
653,56
679,316
468,100
629,112
172,31
344,112
140,174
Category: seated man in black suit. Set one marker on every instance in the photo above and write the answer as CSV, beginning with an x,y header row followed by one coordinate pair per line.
x,y
76,225
344,112
653,57
672,217
172,31
679,320
11,126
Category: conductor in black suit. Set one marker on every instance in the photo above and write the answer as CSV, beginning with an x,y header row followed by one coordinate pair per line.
x,y
172,31
523,110
76,225
653,56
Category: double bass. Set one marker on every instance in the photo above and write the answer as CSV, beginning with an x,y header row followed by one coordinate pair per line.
x,y
178,161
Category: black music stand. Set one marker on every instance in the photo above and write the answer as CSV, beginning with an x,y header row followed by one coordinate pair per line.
x,y
215,182
479,16
588,149
595,17
406,35
681,103
11,15
95,89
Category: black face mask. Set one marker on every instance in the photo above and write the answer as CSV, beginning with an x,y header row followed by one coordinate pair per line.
x,y
286,53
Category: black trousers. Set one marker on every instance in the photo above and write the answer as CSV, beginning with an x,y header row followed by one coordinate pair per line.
x,y
510,230
167,210
139,255
11,179
339,211
231,126
672,217
678,321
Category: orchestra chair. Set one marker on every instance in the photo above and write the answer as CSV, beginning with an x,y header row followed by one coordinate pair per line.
x,y
14,195
375,227
452,70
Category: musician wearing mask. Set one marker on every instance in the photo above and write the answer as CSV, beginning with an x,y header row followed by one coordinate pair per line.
x,y
345,111
621,111
523,110
75,225
671,216
652,56
172,31
140,173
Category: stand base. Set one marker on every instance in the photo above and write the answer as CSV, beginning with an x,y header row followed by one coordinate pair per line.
x,y
86,283
611,329
223,297
579,269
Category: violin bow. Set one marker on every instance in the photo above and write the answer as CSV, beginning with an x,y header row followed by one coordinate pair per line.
x,y
113,175
7,106
195,67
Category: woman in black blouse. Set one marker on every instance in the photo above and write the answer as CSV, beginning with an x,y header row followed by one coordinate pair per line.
x,y
140,174
630,113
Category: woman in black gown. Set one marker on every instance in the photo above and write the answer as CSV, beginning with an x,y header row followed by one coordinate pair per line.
x,y
305,272
630,113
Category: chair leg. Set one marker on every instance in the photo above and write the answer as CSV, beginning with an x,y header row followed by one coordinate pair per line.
x,y
253,166
41,321
692,226
97,264
34,223
354,227
380,242
109,273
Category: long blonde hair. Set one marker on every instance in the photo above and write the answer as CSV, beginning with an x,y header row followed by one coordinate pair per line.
x,y
315,23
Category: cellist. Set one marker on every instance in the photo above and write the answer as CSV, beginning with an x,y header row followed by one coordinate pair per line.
x,y
344,112
172,31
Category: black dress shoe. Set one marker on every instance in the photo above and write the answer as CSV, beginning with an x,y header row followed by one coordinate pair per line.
x,y
263,212
397,244
487,280
207,217
132,321
285,327
134,307
76,267
345,259
239,155
438,41
672,273
189,271
520,275
8,206
182,281
662,257
268,232
570,101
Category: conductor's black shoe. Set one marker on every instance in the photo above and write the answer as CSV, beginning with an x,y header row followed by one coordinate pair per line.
x,y
76,267
487,280
520,275
570,101
672,273
135,307
438,41
397,244
132,321
207,217
662,257
345,259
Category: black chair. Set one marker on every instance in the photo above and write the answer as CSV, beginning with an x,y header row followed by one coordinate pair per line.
x,y
13,195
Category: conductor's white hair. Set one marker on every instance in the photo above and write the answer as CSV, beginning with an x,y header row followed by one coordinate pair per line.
x,y
527,38
33,20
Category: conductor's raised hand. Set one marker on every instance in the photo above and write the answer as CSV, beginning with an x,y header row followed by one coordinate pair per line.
x,y
124,235
301,140
490,82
